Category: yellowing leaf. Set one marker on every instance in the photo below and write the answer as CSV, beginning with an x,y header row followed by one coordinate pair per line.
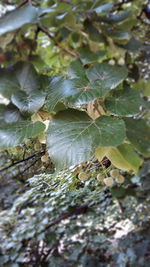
x,y
123,157
101,152
45,115
36,117
95,111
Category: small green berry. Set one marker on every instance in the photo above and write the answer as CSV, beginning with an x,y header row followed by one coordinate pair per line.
x,y
100,177
120,179
83,176
114,173
45,158
108,181
37,146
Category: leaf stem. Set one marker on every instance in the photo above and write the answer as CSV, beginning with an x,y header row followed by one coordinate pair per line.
x,y
66,50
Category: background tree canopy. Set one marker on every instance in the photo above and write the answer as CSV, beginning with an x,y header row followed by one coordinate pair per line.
x,y
74,119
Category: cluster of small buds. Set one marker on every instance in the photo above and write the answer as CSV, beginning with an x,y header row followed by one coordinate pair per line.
x,y
115,176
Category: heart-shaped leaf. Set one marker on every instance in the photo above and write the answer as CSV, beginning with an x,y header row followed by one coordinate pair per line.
x,y
124,102
30,103
21,75
14,133
72,136
108,76
11,114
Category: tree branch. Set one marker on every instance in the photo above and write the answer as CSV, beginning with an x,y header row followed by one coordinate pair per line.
x,y
22,4
42,152
56,42
33,163
67,2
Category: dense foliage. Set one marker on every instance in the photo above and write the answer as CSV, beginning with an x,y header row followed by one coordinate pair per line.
x,y
74,92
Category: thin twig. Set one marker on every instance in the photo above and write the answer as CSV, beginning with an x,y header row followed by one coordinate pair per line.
x,y
34,43
66,50
22,4
67,2
22,160
33,163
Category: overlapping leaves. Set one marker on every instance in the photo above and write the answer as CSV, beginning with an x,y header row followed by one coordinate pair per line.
x,y
10,113
84,87
123,157
72,136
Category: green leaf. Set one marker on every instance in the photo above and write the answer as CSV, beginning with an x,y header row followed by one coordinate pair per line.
x,y
119,17
77,91
17,18
103,8
11,114
87,56
69,21
72,136
76,70
15,133
26,76
130,156
8,82
94,34
144,85
124,102
28,102
60,89
119,35
108,76
6,39
138,133
88,93
21,75
133,44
